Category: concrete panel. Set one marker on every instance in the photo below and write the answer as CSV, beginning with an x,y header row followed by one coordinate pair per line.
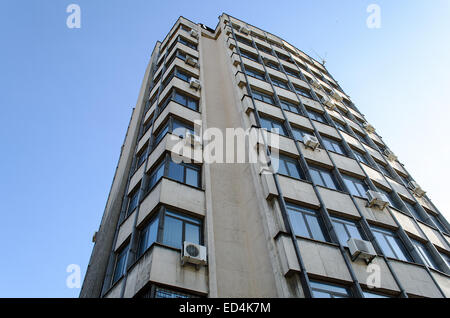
x,y
326,130
375,215
375,153
136,178
400,189
162,265
311,103
284,144
115,291
285,93
443,282
363,273
261,85
375,176
346,164
338,202
407,223
299,120
318,155
299,191
352,141
415,279
323,259
434,236
178,110
125,230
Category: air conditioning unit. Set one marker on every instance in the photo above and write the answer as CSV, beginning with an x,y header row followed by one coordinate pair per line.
x,y
194,33
191,61
193,254
336,96
368,127
195,83
329,103
416,189
377,199
244,30
390,155
360,249
192,139
315,84
311,141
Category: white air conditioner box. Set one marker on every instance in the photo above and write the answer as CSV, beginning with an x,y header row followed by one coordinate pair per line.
x,y
192,139
193,254
194,33
368,127
360,249
195,83
244,30
390,155
191,61
377,199
315,83
416,189
329,103
311,141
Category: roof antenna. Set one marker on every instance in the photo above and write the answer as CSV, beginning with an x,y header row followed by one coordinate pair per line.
x,y
323,60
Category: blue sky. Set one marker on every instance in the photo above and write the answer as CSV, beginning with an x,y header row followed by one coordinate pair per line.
x,y
67,95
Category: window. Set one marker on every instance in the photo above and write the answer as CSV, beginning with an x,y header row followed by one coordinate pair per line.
x,y
187,43
390,244
185,100
133,200
174,126
305,222
161,133
316,116
178,228
303,91
263,97
140,157
333,145
323,177
412,209
184,173
327,290
361,138
356,187
279,83
264,49
424,254
155,175
438,223
283,57
249,55
299,133
148,235
287,166
446,258
273,125
392,201
384,170
120,264
374,295
346,229
255,73
292,72
182,75
272,65
361,157
340,126
166,293
244,40
289,106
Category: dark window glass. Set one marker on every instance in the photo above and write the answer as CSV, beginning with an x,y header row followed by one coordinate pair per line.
x,y
361,157
119,267
140,158
185,100
133,200
178,228
244,40
446,258
156,174
185,173
384,170
340,126
346,229
412,209
287,166
323,177
148,235
162,132
187,43
438,223
272,65
326,290
263,97
316,116
249,55
298,133
255,73
166,293
356,187
279,83
291,72
273,125
374,295
289,106
425,255
390,244
180,128
333,145
305,222
390,197
264,49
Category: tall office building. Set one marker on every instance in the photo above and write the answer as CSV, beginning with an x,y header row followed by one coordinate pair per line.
x,y
341,217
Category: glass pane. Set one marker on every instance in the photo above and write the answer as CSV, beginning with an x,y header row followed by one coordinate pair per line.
x,y
298,135
329,181
315,175
341,233
192,104
320,294
315,228
351,187
298,223
372,295
192,234
180,98
176,171
385,248
293,169
396,245
192,177
173,232
354,232
156,175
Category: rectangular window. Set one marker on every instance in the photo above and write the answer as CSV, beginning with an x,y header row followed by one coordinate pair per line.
x,y
287,166
292,72
356,187
167,293
185,100
178,228
305,222
389,195
187,43
323,177
133,200
184,173
327,290
384,170
140,157
346,229
299,133
148,236
179,128
438,223
340,126
361,157
412,209
424,254
244,40
264,49
155,175
272,65
254,73
374,295
279,83
289,106
316,116
333,145
263,97
390,244
273,125
249,55
161,133
120,264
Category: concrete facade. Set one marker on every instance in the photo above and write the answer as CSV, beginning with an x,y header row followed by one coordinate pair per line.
x,y
251,222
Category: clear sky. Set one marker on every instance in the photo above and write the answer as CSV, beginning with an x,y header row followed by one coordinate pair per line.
x,y
67,96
